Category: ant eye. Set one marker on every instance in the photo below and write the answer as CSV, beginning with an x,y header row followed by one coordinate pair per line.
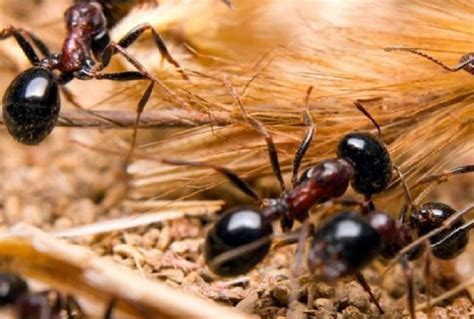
x,y
371,160
238,228
31,105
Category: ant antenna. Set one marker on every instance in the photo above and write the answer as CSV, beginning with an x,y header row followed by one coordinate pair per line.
x,y
416,51
360,107
227,173
260,128
440,178
304,145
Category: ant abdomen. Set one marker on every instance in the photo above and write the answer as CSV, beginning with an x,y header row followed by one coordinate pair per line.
x,y
342,245
371,160
450,242
31,105
238,227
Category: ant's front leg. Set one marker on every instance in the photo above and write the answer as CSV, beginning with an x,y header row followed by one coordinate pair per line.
x,y
136,32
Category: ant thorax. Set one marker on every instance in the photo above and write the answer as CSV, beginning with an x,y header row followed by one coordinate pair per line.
x,y
86,33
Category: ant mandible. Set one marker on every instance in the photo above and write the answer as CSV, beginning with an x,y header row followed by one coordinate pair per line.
x,y
348,241
31,103
41,305
466,62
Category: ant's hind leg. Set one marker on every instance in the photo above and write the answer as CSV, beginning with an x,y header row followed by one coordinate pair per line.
x,y
131,76
25,46
361,280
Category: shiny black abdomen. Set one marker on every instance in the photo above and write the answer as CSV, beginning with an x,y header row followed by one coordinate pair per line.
x,y
371,160
238,227
343,244
31,105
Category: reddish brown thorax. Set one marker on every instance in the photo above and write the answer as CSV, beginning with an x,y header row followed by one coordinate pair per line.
x,y
84,22
329,179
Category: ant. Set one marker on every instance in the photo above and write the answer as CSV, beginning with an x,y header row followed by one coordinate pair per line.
x,y
348,241
31,103
466,62
47,304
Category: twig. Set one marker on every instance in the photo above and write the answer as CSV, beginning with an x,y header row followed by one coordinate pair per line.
x,y
149,119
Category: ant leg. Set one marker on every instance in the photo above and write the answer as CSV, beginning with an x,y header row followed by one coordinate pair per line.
x,y
308,137
113,48
109,309
73,309
40,45
407,271
427,273
131,76
25,46
440,178
465,60
136,32
260,128
361,280
305,231
227,173
364,206
408,205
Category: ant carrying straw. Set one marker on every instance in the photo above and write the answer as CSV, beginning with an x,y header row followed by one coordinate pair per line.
x,y
41,305
31,103
466,62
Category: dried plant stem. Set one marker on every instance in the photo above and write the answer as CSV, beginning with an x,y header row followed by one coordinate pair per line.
x,y
447,294
76,269
149,119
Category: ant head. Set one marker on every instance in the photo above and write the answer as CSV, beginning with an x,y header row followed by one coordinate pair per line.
x,y
31,105
87,16
242,228
450,242
371,161
13,286
343,244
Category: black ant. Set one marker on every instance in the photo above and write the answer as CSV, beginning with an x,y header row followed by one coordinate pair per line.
x,y
348,241
466,62
47,304
31,103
